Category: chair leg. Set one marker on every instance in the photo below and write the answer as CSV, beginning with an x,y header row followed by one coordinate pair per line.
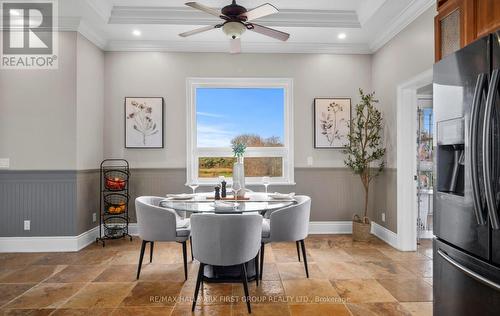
x,y
245,286
152,244
298,251
184,255
191,247
141,256
304,256
261,259
257,274
198,282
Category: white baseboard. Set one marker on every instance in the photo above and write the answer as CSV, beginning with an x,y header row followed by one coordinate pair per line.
x,y
385,234
132,229
332,227
75,243
48,244
315,228
329,227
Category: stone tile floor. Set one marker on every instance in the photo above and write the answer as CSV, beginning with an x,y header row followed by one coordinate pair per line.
x,y
346,278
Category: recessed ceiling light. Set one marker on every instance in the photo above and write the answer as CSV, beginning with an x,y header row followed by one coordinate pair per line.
x,y
15,12
341,36
136,32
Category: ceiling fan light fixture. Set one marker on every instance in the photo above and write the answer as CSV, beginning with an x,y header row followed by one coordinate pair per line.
x,y
234,29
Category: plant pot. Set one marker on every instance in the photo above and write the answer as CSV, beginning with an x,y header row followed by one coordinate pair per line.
x,y
361,228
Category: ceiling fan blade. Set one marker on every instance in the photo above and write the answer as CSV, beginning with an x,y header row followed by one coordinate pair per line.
x,y
235,46
282,36
260,11
199,30
206,9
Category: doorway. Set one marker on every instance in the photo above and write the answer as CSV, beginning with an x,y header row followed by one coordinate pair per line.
x,y
425,154
407,118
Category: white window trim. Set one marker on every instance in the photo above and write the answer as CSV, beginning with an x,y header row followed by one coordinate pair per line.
x,y
193,152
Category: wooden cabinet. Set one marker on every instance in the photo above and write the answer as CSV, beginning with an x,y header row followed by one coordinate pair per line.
x,y
460,22
487,16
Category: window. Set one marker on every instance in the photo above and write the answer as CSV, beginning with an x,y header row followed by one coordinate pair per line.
x,y
222,111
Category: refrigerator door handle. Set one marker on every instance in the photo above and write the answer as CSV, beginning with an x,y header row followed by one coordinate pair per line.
x,y
481,83
468,271
487,161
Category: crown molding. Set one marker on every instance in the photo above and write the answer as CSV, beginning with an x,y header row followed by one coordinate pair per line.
x,y
68,23
77,24
89,33
368,9
247,47
396,25
102,8
188,16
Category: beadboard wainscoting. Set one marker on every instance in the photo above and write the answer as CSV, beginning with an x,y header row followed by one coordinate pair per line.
x,y
60,204
337,194
56,202
46,198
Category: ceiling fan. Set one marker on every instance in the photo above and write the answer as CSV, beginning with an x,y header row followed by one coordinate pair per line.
x,y
236,20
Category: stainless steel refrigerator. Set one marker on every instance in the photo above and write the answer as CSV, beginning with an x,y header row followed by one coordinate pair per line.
x,y
466,279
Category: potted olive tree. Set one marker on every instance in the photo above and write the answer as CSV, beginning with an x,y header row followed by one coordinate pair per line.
x,y
365,148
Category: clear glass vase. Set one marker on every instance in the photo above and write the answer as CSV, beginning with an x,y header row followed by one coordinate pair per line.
x,y
239,175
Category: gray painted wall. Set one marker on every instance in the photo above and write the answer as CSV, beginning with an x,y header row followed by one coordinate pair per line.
x,y
47,198
89,104
164,74
57,202
87,200
408,54
61,203
38,113
336,193
51,126
37,131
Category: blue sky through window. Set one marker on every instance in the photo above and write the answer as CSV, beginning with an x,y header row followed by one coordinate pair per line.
x,y
223,113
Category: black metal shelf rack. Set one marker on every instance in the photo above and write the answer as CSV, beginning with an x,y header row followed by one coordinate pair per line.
x,y
114,200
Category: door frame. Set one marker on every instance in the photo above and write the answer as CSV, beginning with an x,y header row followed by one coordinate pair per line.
x,y
407,151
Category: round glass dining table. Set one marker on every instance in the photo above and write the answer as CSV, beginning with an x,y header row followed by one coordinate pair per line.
x,y
204,203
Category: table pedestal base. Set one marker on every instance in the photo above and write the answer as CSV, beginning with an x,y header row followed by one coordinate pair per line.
x,y
228,274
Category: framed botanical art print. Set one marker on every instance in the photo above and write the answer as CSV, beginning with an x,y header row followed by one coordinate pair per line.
x,y
144,122
331,122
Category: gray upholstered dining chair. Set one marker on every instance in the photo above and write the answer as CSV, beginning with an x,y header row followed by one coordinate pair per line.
x,y
159,224
287,224
226,240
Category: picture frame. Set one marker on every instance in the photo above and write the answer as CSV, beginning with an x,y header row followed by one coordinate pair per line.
x,y
144,122
331,118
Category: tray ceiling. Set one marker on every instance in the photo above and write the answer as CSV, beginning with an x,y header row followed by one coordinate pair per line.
x,y
314,25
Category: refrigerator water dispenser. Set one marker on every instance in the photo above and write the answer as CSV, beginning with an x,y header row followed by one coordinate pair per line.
x,y
451,157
